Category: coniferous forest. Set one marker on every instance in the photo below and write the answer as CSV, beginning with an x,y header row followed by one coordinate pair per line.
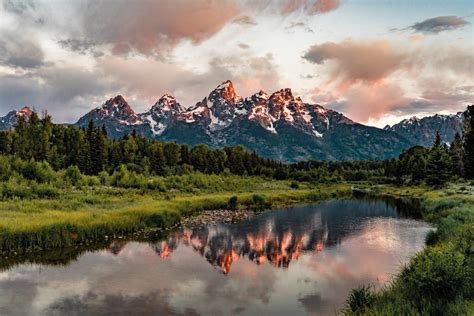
x,y
37,148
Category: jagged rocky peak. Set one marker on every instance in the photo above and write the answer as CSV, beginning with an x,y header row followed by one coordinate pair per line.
x,y
118,102
167,103
259,97
226,91
282,96
119,109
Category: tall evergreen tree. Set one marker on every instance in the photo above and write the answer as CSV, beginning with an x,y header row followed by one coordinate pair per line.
x,y
157,163
456,153
468,142
184,154
171,152
438,167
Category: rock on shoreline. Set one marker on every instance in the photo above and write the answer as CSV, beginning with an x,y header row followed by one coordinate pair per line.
x,y
213,217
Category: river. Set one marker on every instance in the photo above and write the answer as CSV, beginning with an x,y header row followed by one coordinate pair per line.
x,y
301,260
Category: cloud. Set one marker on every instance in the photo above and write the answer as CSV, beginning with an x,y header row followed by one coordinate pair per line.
x,y
66,92
19,51
152,27
244,20
81,46
294,25
369,79
365,102
322,6
357,61
310,7
438,24
243,46
143,79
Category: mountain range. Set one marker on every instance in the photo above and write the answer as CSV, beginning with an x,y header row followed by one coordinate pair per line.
x,y
278,126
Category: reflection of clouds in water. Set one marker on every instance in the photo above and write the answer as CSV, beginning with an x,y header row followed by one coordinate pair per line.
x,y
136,278
116,304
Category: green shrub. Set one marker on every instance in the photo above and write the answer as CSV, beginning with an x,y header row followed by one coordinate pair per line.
x,y
73,175
359,300
432,238
435,277
103,177
41,172
45,191
233,203
12,190
294,185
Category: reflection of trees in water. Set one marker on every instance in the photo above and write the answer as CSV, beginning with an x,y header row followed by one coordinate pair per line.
x,y
277,237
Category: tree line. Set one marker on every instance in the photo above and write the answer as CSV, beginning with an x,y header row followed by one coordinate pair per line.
x,y
92,152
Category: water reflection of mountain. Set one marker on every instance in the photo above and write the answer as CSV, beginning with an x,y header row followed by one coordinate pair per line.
x,y
277,237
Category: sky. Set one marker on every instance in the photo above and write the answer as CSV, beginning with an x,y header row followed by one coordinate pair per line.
x,y
376,61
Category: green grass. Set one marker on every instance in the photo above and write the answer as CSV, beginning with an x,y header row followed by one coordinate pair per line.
x,y
440,279
83,216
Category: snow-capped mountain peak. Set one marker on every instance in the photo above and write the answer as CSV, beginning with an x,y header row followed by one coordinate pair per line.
x,y
167,103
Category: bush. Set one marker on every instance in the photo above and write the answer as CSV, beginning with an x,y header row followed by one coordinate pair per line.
x,y
259,202
432,238
156,184
294,185
258,199
41,172
73,175
359,300
11,190
44,191
103,177
435,277
127,179
233,203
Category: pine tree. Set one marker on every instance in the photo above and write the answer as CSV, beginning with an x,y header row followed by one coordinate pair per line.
x,y
171,152
438,168
468,142
157,163
456,154
46,127
185,154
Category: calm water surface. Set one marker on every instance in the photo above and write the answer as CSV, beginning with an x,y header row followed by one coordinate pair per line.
x,y
300,260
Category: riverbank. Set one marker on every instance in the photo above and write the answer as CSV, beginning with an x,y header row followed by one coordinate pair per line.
x,y
76,217
438,280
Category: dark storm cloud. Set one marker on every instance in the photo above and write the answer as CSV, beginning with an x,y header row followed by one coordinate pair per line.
x,y
438,24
